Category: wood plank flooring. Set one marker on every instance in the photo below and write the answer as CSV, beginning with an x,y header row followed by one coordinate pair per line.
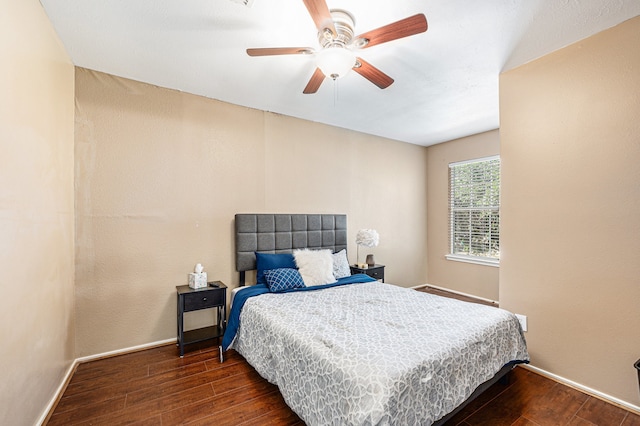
x,y
157,387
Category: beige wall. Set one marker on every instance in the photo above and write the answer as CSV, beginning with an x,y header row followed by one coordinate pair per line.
x,y
36,212
160,175
478,280
570,246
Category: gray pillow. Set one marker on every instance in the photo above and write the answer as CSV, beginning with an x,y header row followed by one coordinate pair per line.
x,y
341,265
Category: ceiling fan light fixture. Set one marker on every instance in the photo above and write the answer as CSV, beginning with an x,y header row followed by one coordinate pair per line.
x,y
336,62
327,34
361,43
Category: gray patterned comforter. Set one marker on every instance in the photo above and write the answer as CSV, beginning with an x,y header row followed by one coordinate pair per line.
x,y
375,354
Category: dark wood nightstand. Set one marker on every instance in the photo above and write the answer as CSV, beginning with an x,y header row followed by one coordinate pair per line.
x,y
376,271
189,300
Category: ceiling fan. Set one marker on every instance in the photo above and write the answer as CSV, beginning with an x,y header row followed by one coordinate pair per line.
x,y
337,56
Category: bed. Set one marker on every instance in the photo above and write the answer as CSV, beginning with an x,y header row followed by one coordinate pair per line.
x,y
355,351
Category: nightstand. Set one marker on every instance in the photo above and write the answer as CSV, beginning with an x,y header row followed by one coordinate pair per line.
x,y
376,271
190,300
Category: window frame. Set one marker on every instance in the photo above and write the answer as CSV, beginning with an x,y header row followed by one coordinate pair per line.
x,y
468,258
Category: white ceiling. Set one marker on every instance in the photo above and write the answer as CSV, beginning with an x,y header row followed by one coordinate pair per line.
x,y
446,80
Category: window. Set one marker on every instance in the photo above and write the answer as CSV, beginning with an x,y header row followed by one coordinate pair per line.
x,y
474,211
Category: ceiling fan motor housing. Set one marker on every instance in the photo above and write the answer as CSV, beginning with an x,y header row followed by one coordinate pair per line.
x,y
344,23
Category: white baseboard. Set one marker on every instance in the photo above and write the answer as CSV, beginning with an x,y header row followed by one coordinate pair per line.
x,y
448,290
58,393
63,384
597,394
125,350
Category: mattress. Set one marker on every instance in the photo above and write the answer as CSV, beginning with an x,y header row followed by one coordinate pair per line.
x,y
233,295
374,353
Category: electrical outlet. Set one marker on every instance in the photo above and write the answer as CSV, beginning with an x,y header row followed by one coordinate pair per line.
x,y
523,321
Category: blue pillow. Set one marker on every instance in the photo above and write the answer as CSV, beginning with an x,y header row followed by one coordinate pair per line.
x,y
283,279
266,261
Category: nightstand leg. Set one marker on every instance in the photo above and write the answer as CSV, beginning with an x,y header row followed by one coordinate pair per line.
x,y
181,326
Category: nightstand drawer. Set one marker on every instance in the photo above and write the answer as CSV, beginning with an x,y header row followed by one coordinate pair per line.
x,y
377,273
203,300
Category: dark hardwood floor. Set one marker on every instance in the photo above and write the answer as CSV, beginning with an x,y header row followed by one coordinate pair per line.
x,y
156,387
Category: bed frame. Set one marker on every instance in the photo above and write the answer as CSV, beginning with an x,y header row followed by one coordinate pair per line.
x,y
501,376
282,233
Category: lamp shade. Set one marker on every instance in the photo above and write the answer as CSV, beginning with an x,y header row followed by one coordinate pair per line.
x,y
336,62
367,238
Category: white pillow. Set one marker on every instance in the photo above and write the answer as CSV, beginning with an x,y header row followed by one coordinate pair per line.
x,y
315,266
341,265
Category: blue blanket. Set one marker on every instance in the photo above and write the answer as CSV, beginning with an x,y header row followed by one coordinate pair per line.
x,y
258,289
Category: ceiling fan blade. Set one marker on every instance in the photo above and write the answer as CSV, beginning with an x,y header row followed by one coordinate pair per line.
x,y
321,15
268,51
372,74
403,28
314,83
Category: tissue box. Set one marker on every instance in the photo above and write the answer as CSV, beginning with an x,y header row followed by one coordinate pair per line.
x,y
198,280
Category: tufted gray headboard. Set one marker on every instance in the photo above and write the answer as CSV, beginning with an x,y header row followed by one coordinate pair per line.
x,y
282,233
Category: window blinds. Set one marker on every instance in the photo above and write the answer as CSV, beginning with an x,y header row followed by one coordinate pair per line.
x,y
474,208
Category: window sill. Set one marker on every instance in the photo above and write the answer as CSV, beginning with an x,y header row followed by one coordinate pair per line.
x,y
476,260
